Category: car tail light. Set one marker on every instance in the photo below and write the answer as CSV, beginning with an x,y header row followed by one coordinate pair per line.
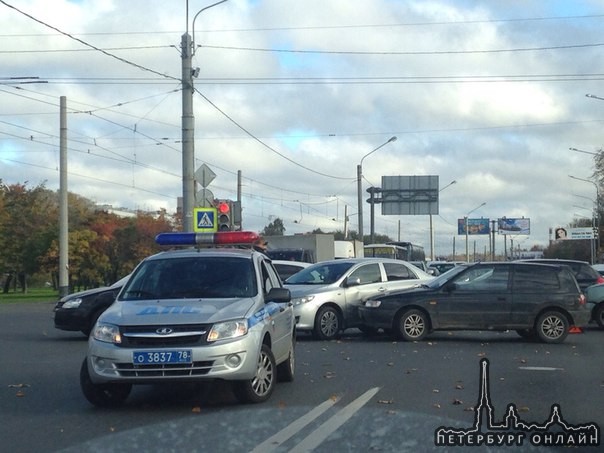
x,y
582,299
600,280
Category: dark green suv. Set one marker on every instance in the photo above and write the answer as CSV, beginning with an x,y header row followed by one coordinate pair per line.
x,y
536,300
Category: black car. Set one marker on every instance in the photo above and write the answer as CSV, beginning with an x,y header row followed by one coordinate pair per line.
x,y
536,300
79,311
585,274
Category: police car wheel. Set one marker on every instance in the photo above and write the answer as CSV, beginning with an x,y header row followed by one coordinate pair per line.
x,y
286,370
261,386
102,395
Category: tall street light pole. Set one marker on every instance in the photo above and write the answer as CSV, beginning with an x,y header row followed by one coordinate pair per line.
x,y
187,46
466,228
597,210
360,185
432,228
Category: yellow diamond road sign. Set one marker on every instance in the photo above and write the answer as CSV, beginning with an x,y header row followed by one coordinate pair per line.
x,y
205,220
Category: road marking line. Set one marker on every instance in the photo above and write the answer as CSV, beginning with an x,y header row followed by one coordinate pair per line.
x,y
293,428
540,368
315,438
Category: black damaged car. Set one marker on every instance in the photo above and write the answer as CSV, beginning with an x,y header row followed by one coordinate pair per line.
x,y
539,301
79,311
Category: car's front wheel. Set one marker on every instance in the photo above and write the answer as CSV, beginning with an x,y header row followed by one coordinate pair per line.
x,y
261,386
328,323
598,315
102,395
412,325
286,370
552,327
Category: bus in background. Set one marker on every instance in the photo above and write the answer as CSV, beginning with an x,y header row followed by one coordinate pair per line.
x,y
396,250
405,251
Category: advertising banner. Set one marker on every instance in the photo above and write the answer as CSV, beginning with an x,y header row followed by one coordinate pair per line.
x,y
475,226
574,233
514,226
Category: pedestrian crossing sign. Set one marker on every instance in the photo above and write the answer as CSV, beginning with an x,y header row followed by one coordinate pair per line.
x,y
205,220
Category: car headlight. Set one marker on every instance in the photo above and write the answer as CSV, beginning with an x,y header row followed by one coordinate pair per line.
x,y
373,303
72,303
302,300
107,333
226,330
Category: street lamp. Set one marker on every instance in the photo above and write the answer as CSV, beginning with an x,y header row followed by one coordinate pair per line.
x,y
583,151
593,96
188,124
360,185
466,228
432,228
597,209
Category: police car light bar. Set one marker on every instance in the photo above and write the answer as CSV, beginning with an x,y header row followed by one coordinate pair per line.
x,y
222,238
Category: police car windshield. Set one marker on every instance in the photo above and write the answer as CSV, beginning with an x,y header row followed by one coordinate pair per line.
x,y
320,273
192,278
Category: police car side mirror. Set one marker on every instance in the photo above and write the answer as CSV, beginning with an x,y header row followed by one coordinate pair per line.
x,y
279,295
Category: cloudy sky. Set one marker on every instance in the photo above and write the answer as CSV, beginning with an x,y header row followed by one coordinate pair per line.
x,y
295,94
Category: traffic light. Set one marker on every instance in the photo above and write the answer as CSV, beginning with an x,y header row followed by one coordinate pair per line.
x,y
223,208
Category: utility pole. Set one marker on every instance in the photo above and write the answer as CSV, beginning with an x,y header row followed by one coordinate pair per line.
x,y
187,49
188,132
63,202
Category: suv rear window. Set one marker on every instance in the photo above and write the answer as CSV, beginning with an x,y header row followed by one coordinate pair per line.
x,y
537,278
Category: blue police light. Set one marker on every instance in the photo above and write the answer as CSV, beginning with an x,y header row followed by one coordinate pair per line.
x,y
221,238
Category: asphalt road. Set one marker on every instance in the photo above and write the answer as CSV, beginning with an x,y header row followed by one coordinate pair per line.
x,y
356,394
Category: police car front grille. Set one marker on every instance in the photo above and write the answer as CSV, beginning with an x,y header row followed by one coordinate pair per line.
x,y
165,370
148,336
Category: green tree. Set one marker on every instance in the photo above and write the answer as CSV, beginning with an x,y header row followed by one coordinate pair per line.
x,y
28,225
275,228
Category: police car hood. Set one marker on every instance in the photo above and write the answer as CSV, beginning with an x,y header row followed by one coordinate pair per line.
x,y
177,311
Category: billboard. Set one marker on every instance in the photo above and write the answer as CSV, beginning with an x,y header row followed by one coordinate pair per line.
x,y
575,233
409,195
514,226
475,226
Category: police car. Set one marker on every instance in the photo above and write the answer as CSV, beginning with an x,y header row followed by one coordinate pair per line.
x,y
194,314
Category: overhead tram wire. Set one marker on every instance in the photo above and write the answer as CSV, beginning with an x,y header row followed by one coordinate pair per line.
x,y
333,27
407,53
123,60
174,78
222,112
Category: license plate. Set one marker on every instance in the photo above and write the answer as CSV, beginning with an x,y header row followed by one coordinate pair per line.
x,y
160,357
